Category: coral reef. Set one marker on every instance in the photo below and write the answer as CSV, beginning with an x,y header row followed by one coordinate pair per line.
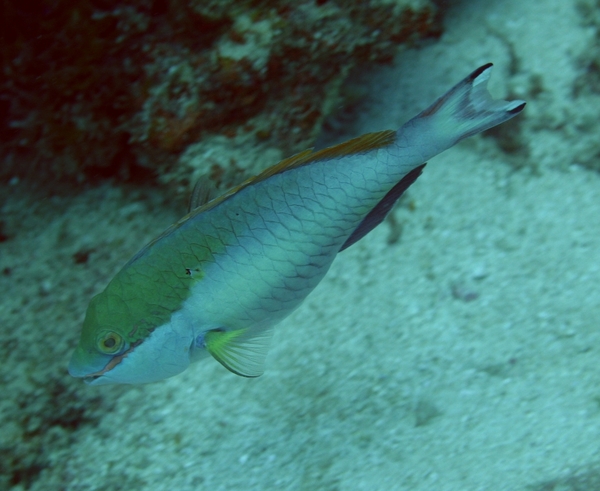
x,y
98,88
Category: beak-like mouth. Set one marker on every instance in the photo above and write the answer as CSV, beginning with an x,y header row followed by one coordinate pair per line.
x,y
80,367
114,361
90,379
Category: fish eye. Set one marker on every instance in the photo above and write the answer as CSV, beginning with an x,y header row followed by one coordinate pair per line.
x,y
109,342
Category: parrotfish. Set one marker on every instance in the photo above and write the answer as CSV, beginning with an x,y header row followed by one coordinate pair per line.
x,y
218,280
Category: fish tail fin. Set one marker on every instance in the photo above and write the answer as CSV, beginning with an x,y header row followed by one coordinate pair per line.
x,y
468,108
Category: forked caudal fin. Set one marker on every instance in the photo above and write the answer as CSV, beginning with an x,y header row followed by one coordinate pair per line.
x,y
468,108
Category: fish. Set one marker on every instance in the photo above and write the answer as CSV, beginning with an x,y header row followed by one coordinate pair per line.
x,y
217,282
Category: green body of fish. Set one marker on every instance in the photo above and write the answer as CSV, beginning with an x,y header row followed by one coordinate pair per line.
x,y
218,281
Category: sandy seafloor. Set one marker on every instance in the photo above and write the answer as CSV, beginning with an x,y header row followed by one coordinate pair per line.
x,y
463,356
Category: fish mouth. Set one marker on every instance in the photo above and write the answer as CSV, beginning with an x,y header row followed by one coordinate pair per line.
x,y
87,373
91,378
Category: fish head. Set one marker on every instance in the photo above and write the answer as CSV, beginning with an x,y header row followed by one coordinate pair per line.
x,y
115,347
102,345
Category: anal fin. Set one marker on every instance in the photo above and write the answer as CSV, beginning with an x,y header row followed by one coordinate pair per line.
x,y
381,209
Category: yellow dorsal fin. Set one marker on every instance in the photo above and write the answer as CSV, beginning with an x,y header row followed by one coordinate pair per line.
x,y
364,143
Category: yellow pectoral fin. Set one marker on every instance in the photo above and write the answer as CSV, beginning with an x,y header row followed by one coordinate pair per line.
x,y
239,352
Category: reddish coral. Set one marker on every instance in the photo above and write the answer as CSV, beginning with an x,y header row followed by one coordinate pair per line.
x,y
113,86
